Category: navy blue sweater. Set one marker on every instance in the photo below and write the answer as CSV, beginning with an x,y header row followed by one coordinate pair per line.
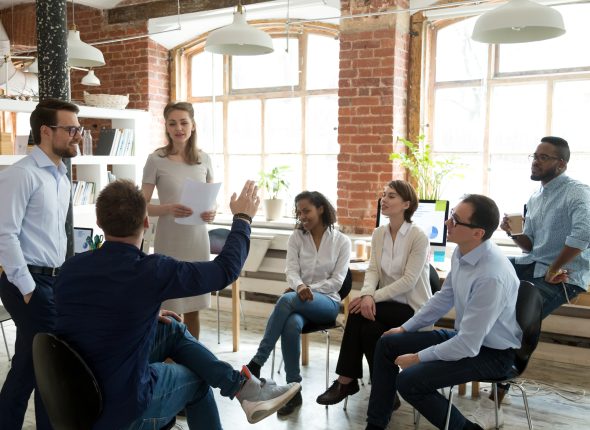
x,y
107,306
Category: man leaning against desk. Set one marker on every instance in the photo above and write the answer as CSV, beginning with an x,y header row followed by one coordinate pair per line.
x,y
556,232
36,195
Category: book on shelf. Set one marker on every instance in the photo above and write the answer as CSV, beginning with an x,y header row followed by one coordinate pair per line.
x,y
6,145
115,141
83,193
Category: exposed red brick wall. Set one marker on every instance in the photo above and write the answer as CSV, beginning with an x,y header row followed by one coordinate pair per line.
x,y
136,67
372,107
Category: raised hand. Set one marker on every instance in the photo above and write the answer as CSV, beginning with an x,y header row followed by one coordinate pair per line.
x,y
247,202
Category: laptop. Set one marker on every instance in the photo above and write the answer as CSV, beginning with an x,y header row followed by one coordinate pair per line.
x,y
81,234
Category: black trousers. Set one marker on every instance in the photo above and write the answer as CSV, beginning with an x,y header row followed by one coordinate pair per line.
x,y
37,316
361,336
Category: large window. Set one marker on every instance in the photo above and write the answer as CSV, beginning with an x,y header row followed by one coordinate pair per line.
x,y
490,105
257,112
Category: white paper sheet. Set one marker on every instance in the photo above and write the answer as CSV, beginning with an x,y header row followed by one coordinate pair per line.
x,y
200,197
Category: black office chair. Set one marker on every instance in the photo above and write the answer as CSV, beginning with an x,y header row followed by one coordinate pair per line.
x,y
217,238
434,280
5,316
68,388
529,307
324,328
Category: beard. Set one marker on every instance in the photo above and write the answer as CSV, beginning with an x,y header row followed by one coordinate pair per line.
x,y
67,152
546,176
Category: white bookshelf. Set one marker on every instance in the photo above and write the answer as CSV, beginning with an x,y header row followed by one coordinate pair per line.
x,y
94,168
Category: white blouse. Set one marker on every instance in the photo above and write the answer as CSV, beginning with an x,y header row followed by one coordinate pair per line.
x,y
392,259
323,269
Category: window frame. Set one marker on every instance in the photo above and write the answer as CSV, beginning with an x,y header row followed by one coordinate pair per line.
x,y
181,86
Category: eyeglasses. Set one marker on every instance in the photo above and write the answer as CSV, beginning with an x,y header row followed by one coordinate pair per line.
x,y
456,222
71,129
542,157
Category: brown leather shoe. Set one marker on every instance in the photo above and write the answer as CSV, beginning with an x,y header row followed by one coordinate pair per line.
x,y
338,392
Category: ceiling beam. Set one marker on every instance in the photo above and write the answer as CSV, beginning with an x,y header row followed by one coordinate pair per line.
x,y
160,8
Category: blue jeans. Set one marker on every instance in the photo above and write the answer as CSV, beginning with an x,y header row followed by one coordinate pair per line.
x,y
286,321
37,316
419,383
553,294
187,382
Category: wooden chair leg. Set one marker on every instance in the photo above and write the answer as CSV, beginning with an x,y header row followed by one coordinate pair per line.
x,y
462,389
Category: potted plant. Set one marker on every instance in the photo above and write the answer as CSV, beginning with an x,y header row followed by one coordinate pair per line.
x,y
427,172
273,183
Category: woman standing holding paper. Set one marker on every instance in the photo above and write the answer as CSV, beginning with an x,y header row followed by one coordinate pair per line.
x,y
166,169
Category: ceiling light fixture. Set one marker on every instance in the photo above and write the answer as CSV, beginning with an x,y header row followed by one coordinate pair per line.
x,y
518,21
239,38
90,79
81,54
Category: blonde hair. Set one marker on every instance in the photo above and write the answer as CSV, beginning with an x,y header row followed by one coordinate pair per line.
x,y
191,152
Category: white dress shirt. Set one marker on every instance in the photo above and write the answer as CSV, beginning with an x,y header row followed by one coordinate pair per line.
x,y
36,196
323,269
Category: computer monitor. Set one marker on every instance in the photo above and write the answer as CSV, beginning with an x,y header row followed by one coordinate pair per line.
x,y
81,234
430,217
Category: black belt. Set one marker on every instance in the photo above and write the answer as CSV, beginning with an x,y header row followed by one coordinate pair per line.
x,y
40,270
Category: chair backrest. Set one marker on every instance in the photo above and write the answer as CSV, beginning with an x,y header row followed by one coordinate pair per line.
x,y
529,307
217,238
346,285
4,315
434,280
69,390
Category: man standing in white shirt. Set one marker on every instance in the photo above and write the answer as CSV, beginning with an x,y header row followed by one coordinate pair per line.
x,y
36,195
482,287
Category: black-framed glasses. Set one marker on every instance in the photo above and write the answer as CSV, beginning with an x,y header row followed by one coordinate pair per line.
x,y
71,129
542,157
456,222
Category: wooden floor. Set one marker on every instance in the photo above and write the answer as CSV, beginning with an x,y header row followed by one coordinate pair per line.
x,y
549,409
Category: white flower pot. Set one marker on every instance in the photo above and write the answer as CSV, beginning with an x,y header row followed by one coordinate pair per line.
x,y
273,209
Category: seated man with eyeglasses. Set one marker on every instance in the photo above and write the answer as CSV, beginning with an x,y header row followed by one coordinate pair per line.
x,y
482,286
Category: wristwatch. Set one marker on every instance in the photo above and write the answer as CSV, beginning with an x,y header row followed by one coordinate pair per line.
x,y
243,216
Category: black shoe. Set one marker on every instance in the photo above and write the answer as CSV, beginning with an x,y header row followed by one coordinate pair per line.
x,y
338,392
291,405
254,368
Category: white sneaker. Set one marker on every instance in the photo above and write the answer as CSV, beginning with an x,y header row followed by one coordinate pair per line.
x,y
485,417
260,398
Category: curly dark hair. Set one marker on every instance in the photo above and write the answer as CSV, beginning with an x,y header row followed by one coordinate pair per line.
x,y
318,200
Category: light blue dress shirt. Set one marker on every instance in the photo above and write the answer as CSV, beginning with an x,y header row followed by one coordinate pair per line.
x,y
35,198
557,215
483,287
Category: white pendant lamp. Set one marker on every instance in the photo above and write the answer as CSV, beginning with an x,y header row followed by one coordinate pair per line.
x,y
34,66
81,54
239,38
90,79
518,21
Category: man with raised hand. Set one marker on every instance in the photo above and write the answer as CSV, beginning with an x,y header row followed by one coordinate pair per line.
x,y
108,302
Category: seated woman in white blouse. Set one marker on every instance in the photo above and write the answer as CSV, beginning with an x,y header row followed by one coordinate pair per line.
x,y
396,285
317,263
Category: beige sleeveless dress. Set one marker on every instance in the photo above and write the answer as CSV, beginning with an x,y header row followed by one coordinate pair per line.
x,y
183,242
